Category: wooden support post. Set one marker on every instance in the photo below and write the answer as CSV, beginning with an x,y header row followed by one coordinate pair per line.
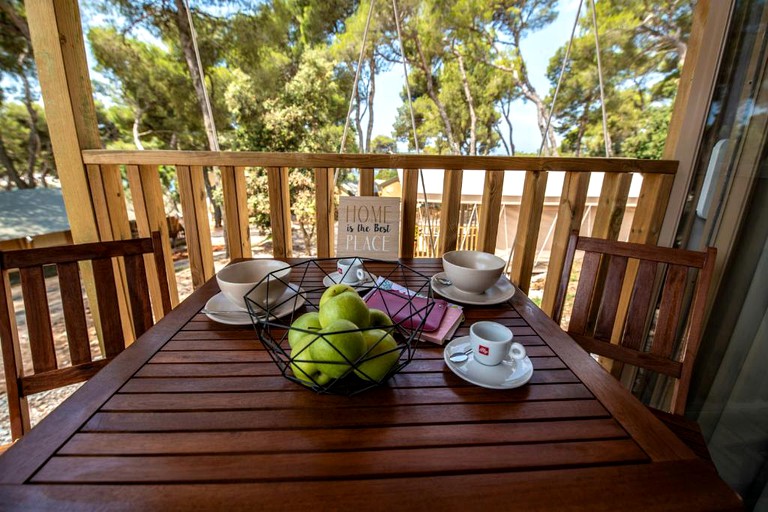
x,y
490,207
450,210
61,115
148,206
280,211
196,222
569,216
236,212
59,50
324,211
409,203
528,224
366,182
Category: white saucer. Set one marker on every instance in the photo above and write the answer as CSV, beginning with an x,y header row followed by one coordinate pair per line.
x,y
506,375
500,292
291,300
333,279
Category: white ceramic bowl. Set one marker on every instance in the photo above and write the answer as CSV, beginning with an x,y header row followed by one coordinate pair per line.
x,y
472,271
240,279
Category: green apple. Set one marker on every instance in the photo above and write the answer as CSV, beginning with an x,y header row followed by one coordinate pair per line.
x,y
302,365
334,290
382,354
345,306
379,318
306,322
338,345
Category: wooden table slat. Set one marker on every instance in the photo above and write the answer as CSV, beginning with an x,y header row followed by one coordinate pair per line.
x,y
329,466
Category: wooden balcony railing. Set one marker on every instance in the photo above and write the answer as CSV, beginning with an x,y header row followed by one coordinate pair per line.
x,y
146,193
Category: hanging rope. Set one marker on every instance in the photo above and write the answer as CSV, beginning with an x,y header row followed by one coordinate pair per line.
x,y
354,85
600,77
207,100
566,58
432,245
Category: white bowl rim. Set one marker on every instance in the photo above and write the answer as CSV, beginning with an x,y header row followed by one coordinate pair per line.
x,y
280,272
500,263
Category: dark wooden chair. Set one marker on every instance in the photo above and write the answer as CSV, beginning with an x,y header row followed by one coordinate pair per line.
x,y
103,257
672,343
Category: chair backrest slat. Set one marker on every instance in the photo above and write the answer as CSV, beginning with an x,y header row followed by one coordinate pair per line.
x,y
640,305
610,298
103,259
669,311
109,309
74,312
138,293
38,319
672,346
584,290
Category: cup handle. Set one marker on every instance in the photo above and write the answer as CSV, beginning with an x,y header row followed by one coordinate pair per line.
x,y
360,275
517,351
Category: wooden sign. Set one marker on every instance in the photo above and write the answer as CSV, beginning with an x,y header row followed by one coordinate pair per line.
x,y
369,226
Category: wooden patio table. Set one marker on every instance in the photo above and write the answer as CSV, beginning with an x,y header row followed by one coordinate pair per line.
x,y
196,415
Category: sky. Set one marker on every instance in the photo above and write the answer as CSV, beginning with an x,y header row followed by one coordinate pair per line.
x,y
537,49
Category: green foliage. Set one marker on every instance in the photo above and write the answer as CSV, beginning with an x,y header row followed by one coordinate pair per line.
x,y
643,45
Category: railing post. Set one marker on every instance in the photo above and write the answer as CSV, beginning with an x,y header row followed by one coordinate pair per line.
x,y
236,211
324,211
490,208
149,208
196,222
366,182
450,210
409,202
280,211
528,224
569,217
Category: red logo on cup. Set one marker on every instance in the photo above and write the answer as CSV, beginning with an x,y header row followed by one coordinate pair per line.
x,y
483,350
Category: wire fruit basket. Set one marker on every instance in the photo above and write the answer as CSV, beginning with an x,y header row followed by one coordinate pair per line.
x,y
352,352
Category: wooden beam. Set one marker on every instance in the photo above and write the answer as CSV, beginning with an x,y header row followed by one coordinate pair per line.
x,y
324,211
528,225
380,161
409,202
490,208
236,212
569,217
450,209
280,211
196,222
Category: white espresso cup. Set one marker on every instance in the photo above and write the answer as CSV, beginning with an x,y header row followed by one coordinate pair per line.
x,y
491,342
349,270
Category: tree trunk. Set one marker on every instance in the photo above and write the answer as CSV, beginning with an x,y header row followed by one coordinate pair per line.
x,y
371,94
422,62
136,123
506,110
13,174
470,104
185,37
359,121
33,144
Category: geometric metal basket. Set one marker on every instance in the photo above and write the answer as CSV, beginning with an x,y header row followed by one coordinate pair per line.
x,y
307,278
